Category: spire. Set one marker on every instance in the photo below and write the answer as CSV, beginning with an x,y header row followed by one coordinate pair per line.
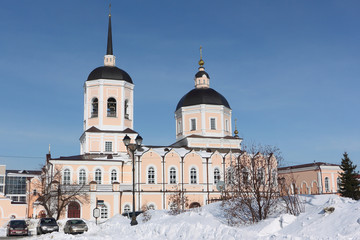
x,y
236,132
109,59
109,41
201,61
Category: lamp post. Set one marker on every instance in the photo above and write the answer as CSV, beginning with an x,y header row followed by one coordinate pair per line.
x,y
132,148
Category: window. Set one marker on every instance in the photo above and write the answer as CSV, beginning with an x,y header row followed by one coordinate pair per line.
x,y
193,124
22,199
1,189
151,207
230,175
261,176
193,178
111,107
98,176
127,208
15,185
113,176
151,175
338,182
216,175
245,175
1,179
66,176
274,177
179,126
126,109
103,212
108,146
327,189
226,125
172,175
95,107
212,124
82,176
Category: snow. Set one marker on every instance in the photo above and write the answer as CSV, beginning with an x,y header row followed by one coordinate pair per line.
x,y
209,222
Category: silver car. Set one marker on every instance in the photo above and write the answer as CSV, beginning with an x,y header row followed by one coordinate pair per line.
x,y
74,226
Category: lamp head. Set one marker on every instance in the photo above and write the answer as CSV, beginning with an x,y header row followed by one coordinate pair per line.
x,y
126,140
138,140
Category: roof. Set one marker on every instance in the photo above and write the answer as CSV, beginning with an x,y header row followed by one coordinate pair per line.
x,y
26,172
307,165
201,73
202,96
109,72
95,129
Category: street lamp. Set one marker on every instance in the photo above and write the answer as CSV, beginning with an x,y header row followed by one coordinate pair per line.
x,y
132,148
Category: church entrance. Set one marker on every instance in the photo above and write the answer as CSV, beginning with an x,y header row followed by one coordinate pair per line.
x,y
73,210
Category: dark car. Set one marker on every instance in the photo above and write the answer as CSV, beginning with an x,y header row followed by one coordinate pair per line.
x,y
17,227
47,225
130,214
75,226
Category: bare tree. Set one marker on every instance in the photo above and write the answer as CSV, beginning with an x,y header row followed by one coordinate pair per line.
x,y
178,201
54,195
251,185
293,203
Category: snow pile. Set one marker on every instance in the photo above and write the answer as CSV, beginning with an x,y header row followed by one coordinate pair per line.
x,y
209,222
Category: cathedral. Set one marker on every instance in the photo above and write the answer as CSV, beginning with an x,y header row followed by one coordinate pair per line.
x,y
113,164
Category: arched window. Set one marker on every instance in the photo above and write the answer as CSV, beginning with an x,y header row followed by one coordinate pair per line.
x,y
95,107
98,176
230,175
82,177
113,176
111,107
274,177
245,176
172,175
151,207
104,212
126,208
193,178
126,109
261,176
216,175
327,189
66,177
151,175
338,182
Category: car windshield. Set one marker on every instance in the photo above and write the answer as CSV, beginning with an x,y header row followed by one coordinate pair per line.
x,y
74,222
48,221
16,224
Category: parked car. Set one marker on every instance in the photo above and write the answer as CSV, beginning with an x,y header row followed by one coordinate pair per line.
x,y
75,226
130,214
47,225
17,227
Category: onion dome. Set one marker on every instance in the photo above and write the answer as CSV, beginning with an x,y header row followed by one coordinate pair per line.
x,y
202,96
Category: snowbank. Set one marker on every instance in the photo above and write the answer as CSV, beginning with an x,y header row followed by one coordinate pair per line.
x,y
209,223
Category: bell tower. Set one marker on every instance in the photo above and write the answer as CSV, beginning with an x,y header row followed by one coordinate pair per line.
x,y
108,106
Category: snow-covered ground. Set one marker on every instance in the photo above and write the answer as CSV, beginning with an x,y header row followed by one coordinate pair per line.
x,y
209,222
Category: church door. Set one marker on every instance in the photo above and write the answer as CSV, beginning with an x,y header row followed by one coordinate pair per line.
x,y
74,210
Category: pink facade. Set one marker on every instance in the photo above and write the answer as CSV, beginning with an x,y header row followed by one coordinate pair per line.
x,y
313,178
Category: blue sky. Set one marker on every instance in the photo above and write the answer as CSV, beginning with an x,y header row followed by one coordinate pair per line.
x,y
289,69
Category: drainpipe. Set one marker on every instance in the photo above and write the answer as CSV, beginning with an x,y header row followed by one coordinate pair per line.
x,y
163,180
207,180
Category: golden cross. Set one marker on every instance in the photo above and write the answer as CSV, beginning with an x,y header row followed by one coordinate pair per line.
x,y
110,9
200,52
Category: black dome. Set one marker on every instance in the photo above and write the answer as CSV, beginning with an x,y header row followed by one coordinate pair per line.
x,y
106,72
201,73
202,96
